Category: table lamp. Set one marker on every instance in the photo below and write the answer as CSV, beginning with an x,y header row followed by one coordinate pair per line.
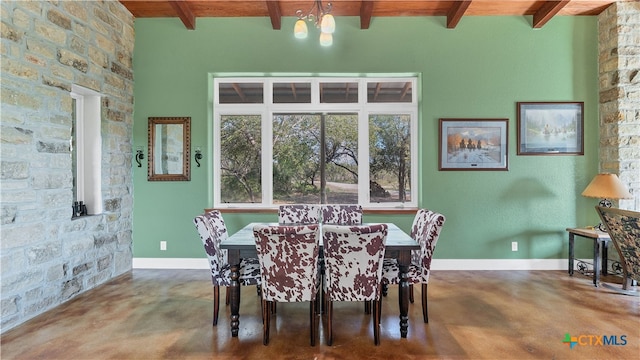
x,y
606,187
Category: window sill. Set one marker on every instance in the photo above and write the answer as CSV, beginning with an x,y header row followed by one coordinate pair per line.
x,y
371,211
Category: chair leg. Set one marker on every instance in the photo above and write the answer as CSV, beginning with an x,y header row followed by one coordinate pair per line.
x,y
266,320
425,314
318,302
376,322
411,293
385,289
367,307
216,304
329,322
312,321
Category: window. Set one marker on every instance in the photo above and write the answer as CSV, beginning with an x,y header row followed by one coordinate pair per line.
x,y
314,140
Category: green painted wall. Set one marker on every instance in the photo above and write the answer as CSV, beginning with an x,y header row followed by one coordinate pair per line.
x,y
478,70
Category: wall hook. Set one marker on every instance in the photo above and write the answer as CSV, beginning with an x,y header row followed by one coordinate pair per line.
x,y
198,156
139,155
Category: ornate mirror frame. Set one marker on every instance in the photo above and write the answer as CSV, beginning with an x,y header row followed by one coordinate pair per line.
x,y
169,149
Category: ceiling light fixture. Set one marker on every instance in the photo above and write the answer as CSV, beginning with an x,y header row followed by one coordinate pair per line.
x,y
322,19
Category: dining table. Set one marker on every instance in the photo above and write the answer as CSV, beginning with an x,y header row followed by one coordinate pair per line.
x,y
242,244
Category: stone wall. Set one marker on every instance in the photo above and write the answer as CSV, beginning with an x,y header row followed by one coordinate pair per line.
x,y
619,68
47,46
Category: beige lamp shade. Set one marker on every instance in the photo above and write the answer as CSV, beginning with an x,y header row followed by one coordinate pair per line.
x,y
606,186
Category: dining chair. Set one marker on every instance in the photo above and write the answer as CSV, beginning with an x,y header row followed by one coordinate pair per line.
x,y
299,214
623,227
353,262
212,231
426,229
342,214
288,257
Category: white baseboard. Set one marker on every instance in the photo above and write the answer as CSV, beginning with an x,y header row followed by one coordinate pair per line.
x,y
437,264
170,263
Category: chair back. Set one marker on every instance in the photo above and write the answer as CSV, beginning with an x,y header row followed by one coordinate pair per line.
x,y
211,238
353,261
426,231
288,257
623,227
299,214
342,214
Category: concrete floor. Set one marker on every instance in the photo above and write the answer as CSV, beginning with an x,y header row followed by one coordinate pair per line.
x,y
166,314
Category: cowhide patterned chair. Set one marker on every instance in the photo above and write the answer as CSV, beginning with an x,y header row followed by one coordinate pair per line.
x,y
623,227
425,230
299,214
342,214
353,261
288,258
212,231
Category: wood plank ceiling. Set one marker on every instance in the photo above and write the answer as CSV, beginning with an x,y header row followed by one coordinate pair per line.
x,y
189,10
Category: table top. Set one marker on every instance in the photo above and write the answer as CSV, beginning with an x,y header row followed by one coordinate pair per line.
x,y
396,238
590,233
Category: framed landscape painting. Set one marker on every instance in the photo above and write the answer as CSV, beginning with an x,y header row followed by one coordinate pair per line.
x,y
473,144
550,128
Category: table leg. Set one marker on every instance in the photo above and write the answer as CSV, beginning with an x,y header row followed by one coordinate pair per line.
x,y
234,299
596,262
403,300
571,253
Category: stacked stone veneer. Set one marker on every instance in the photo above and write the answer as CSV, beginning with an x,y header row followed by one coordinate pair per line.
x,y
47,46
619,67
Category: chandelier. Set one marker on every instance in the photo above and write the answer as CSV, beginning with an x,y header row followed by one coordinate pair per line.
x,y
322,19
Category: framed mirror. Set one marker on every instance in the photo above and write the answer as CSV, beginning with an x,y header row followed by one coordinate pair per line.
x,y
169,149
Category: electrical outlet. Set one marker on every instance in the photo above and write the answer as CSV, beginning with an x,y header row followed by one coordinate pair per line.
x,y
514,246
163,245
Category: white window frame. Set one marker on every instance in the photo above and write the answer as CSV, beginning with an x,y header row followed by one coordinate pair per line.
x,y
266,110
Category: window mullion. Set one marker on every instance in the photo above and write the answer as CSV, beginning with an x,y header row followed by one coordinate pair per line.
x,y
267,158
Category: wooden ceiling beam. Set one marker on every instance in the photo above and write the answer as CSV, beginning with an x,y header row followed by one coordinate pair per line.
x,y
366,9
377,91
456,12
239,91
547,11
405,90
184,13
274,14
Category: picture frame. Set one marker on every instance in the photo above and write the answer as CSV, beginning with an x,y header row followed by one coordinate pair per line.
x,y
473,144
550,128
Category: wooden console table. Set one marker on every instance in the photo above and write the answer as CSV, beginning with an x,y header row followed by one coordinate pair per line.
x,y
600,241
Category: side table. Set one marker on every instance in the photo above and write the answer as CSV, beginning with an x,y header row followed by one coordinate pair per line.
x,y
600,241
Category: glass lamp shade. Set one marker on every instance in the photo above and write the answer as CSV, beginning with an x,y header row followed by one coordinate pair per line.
x,y
326,39
300,29
606,186
328,24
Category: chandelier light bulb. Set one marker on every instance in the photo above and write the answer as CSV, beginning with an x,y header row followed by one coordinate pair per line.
x,y
326,39
328,24
321,17
300,29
